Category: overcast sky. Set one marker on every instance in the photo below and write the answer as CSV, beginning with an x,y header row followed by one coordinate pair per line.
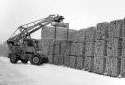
x,y
79,13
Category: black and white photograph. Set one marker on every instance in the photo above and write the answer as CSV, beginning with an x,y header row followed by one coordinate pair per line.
x,y
62,42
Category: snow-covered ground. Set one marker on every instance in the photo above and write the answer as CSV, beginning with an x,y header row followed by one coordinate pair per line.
x,y
21,74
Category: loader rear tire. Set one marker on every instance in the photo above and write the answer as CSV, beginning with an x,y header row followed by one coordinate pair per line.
x,y
35,60
13,59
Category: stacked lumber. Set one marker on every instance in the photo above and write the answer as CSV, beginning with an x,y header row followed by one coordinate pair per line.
x,y
77,48
61,33
112,66
66,60
51,48
65,47
47,33
58,59
56,47
99,64
114,47
100,48
50,57
89,63
123,28
90,34
123,67
55,59
123,47
115,29
72,34
72,61
44,45
79,62
89,48
102,31
80,36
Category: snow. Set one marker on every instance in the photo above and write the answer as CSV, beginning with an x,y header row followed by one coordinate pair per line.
x,y
21,74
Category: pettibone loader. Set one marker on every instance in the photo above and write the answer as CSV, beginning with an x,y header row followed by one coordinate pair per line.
x,y
23,47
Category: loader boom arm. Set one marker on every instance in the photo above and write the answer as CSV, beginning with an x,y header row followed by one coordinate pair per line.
x,y
31,27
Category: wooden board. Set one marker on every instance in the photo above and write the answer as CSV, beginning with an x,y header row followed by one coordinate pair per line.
x,y
66,60
89,49
123,67
89,63
79,62
114,47
72,61
115,30
90,34
99,64
100,48
77,48
102,31
112,66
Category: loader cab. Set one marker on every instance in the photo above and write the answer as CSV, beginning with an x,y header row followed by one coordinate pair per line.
x,y
31,44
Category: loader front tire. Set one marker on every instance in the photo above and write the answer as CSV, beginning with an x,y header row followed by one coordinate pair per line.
x,y
35,60
13,59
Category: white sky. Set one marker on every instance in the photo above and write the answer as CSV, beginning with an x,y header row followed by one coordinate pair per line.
x,y
79,13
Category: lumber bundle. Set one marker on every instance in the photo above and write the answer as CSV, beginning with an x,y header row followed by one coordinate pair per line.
x,y
72,61
60,60
61,33
89,48
115,29
89,63
79,62
66,60
123,47
123,67
99,64
90,34
51,48
100,48
55,59
114,47
50,57
80,36
65,47
123,28
49,33
77,48
56,47
44,45
72,34
113,66
102,31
